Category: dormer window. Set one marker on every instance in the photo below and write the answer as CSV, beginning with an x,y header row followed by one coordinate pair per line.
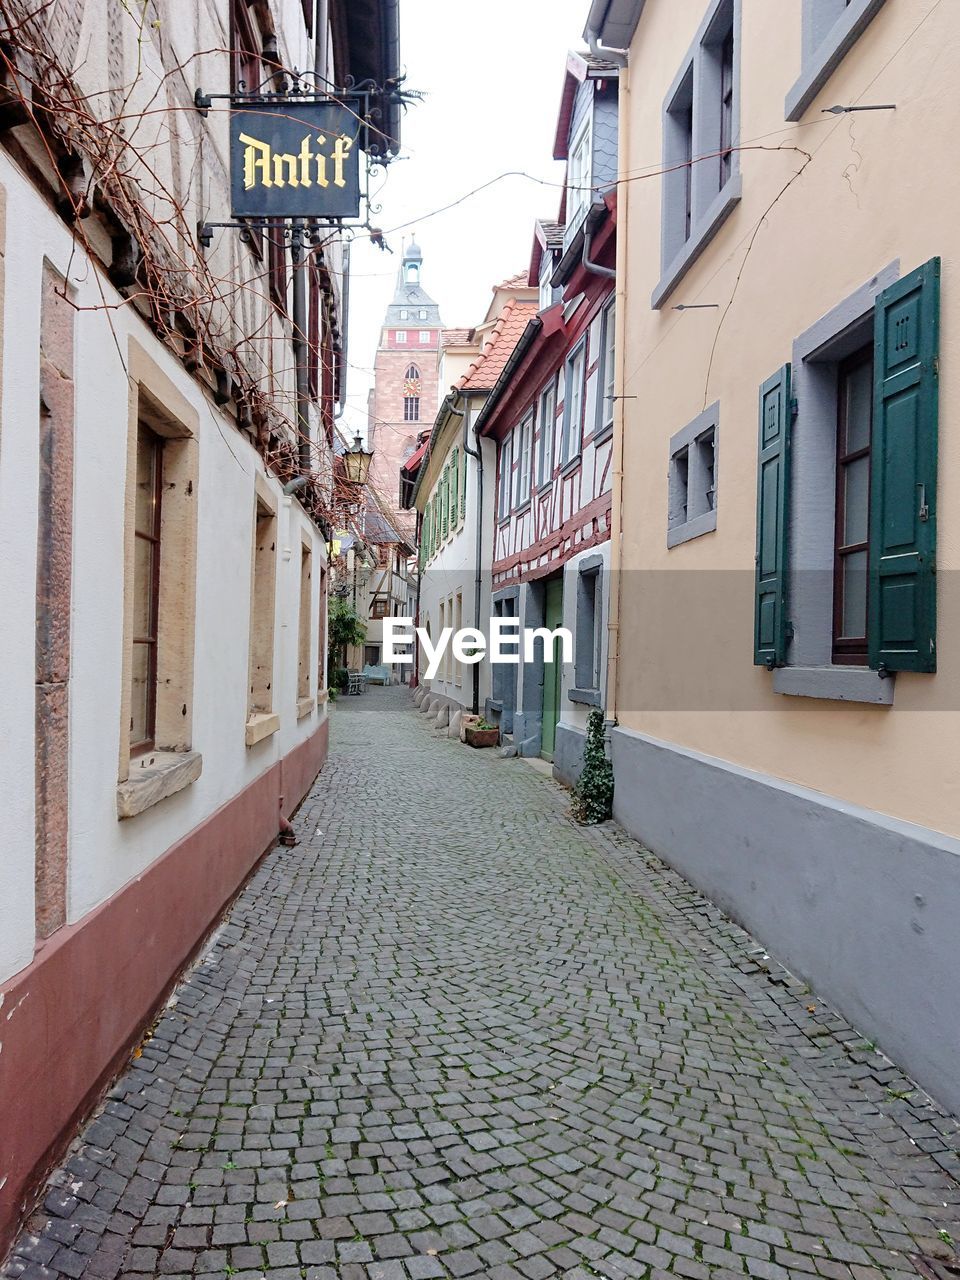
x,y
579,194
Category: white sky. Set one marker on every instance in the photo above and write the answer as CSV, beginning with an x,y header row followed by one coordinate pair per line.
x,y
492,74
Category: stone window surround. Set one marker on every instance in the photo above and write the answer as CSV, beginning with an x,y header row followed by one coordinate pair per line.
x,y
830,29
686,438
588,694
173,764
810,672
262,720
306,700
711,207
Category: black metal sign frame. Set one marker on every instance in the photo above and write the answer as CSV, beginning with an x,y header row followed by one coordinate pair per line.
x,y
357,100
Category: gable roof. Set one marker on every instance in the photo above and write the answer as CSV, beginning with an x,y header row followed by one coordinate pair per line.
x,y
581,66
504,336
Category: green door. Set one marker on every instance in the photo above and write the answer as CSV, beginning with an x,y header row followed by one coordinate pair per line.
x,y
552,671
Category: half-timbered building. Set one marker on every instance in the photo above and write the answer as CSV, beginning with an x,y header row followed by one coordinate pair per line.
x,y
551,417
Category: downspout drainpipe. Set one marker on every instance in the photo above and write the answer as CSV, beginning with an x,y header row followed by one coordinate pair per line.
x,y
478,580
608,273
617,56
619,413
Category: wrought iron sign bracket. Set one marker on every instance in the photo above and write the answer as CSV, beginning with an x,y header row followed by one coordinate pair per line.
x,y
205,230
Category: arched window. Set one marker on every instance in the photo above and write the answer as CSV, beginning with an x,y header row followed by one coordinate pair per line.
x,y
411,394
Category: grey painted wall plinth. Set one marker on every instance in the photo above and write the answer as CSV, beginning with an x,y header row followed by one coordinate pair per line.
x,y
861,906
568,754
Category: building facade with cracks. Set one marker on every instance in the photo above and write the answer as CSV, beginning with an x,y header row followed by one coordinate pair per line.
x,y
164,512
782,691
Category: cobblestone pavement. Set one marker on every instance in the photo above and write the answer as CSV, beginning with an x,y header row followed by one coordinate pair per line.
x,y
451,1034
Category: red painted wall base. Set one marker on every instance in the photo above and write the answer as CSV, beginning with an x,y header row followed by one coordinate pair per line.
x,y
70,1019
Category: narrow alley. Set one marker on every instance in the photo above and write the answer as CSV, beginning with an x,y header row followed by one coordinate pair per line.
x,y
418,1047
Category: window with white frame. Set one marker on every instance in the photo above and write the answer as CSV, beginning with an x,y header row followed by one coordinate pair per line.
x,y
547,291
829,29
404,314
548,421
524,439
506,471
579,195
573,403
700,136
607,369
693,478
400,336
424,336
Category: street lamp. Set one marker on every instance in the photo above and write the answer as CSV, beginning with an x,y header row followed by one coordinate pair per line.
x,y
356,462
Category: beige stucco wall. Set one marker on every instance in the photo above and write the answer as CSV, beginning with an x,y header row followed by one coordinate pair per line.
x,y
880,186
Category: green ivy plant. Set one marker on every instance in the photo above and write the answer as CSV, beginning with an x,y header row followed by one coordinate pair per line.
x,y
593,795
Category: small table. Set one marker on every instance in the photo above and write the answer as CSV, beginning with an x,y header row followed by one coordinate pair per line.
x,y
358,682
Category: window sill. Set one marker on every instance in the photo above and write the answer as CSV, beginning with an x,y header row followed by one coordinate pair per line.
x,y
589,697
523,508
844,33
154,777
839,684
571,465
701,235
694,528
323,696
603,435
304,707
261,725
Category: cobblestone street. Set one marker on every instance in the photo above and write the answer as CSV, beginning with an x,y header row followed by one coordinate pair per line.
x,y
451,1034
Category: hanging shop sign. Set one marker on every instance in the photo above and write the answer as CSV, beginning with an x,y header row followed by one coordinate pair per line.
x,y
295,160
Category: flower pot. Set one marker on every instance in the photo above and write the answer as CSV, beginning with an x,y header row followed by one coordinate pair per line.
x,y
482,737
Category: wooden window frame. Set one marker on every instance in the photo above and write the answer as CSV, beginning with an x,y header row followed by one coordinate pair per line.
x,y
572,444
277,268
849,650
151,640
547,449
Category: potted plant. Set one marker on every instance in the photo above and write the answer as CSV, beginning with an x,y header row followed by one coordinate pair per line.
x,y
482,734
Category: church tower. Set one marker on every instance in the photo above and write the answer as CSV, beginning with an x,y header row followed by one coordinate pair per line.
x,y
404,399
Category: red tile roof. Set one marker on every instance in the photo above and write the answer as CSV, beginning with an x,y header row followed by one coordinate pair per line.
x,y
506,333
412,464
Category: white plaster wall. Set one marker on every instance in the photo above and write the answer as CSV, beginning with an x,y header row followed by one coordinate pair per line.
x,y
104,853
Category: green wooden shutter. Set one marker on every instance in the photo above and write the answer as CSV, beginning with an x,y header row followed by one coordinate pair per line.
x,y
902,608
444,504
773,504
463,488
455,490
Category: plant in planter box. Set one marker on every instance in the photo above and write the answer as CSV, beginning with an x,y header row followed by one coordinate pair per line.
x,y
593,795
482,734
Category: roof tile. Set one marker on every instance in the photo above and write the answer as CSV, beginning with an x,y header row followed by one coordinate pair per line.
x,y
506,333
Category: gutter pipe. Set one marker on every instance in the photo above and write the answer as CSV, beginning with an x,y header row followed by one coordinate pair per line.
x,y
478,577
